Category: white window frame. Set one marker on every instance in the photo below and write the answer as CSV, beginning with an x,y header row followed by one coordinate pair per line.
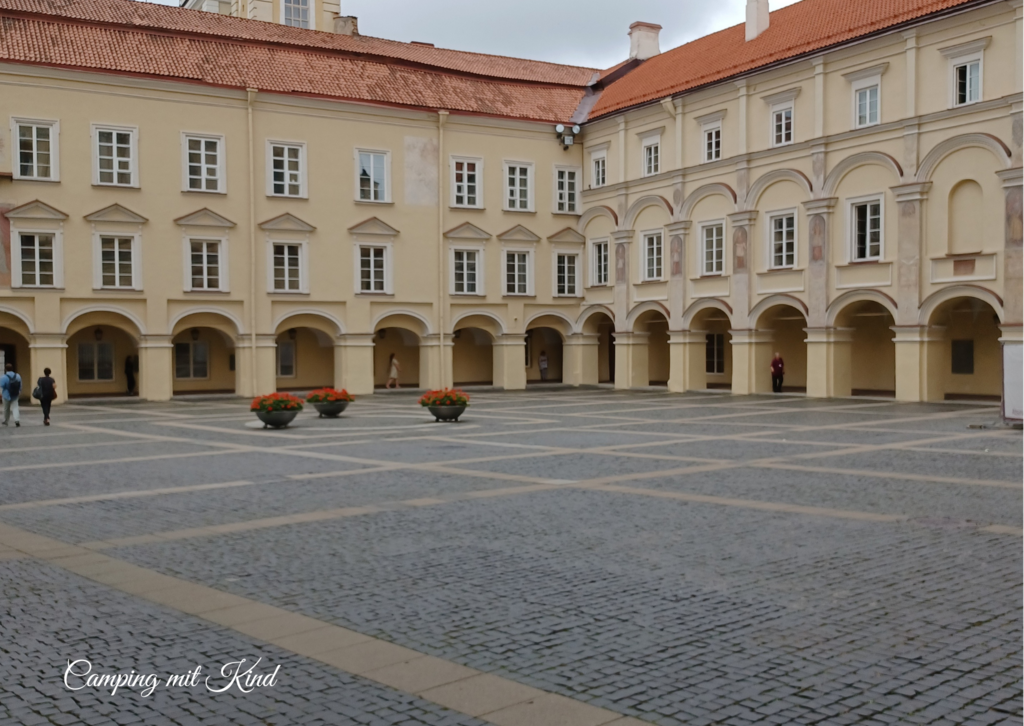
x,y
967,61
303,169
133,146
577,271
709,128
851,231
191,359
136,249
388,268
54,127
58,257
222,252
556,194
769,237
702,250
595,277
222,179
964,54
303,266
781,108
531,187
529,271
644,277
295,359
867,86
480,270
387,176
650,142
453,160
95,346
312,16
595,157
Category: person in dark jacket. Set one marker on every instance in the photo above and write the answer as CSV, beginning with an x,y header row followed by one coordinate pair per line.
x,y
47,394
129,373
778,371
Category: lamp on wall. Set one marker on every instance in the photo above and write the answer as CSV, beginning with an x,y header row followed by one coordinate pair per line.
x,y
567,135
291,333
381,333
98,334
194,334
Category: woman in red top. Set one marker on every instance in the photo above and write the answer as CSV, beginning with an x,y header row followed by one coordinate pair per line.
x,y
778,371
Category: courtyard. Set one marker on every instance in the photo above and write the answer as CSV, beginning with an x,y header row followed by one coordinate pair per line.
x,y
559,557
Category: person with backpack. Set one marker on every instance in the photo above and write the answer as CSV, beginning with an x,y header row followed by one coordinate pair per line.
x,y
46,388
10,387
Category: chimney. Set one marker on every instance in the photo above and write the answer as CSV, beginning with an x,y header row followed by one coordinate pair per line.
x,y
757,18
346,25
643,40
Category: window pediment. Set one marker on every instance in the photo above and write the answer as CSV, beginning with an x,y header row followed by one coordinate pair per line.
x,y
204,218
286,222
36,210
468,231
567,236
519,233
116,213
374,227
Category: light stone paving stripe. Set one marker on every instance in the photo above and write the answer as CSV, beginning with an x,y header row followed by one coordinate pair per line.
x,y
126,460
894,475
468,691
131,494
1003,529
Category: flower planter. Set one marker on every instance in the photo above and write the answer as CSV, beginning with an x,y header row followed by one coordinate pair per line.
x,y
331,409
446,413
276,419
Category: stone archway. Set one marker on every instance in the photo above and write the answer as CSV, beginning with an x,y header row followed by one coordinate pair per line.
x,y
204,355
305,354
964,360
473,356
545,341
14,349
783,327
652,325
401,336
601,325
866,328
715,327
102,355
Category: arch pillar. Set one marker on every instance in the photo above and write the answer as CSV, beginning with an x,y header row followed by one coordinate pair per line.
x,y
918,362
264,379
677,233
623,240
509,362
828,362
579,363
353,363
435,369
819,221
156,368
631,364
687,352
909,202
751,358
47,350
742,253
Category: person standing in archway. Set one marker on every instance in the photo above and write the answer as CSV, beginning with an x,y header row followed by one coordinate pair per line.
x,y
542,363
393,370
778,371
129,373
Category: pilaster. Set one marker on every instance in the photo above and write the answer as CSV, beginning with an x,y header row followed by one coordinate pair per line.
x,y
751,361
819,218
509,362
156,368
828,362
687,360
622,240
677,234
919,363
579,359
47,350
1013,252
909,199
436,361
353,363
632,369
741,223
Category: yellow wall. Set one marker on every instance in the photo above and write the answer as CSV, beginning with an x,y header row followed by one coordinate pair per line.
x,y
472,357
406,347
221,378
314,362
124,346
549,341
872,352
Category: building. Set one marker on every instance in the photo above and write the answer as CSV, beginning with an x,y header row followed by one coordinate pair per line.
x,y
246,205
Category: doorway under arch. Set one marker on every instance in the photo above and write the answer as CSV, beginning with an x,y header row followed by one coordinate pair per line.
x,y
15,351
715,325
304,359
788,338
872,348
399,335
102,355
965,358
655,325
602,325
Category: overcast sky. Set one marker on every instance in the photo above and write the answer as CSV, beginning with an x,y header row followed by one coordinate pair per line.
x,y
581,32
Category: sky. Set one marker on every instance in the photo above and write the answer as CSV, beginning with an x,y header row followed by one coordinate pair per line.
x,y
582,32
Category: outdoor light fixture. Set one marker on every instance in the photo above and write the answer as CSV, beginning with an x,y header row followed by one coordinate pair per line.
x,y
194,333
567,135
98,334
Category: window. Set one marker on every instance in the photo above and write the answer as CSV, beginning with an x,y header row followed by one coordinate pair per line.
x,y
600,263
465,272
205,263
967,83
599,173
466,183
783,240
782,126
652,251
713,249
565,191
116,262
37,150
296,13
652,158
565,275
37,268
286,359
713,143
191,360
963,357
203,159
372,269
373,182
516,270
518,187
287,267
287,170
715,358
867,229
867,106
115,157
96,361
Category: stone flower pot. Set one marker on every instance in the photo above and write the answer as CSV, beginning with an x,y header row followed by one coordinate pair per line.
x,y
276,419
446,413
330,409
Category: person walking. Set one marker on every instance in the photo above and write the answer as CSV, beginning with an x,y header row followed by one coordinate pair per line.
x,y
10,387
778,371
47,393
393,370
129,373
542,363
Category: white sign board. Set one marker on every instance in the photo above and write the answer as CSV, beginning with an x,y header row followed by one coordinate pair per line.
x,y
1013,381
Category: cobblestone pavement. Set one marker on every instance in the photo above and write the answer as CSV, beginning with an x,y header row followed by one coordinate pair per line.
x,y
693,559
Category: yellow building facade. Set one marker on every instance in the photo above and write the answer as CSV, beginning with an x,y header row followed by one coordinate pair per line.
x,y
856,209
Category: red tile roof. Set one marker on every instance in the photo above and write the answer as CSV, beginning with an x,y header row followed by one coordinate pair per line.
x,y
55,41
800,28
161,17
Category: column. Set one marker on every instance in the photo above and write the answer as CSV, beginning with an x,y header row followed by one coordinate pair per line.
x,y
819,216
264,379
919,362
436,361
751,361
828,362
677,232
909,198
631,367
510,362
741,223
1013,248
622,240
579,359
353,363
47,351
156,368
688,360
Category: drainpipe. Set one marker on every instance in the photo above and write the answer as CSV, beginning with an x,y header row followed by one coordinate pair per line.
x,y
442,117
250,99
